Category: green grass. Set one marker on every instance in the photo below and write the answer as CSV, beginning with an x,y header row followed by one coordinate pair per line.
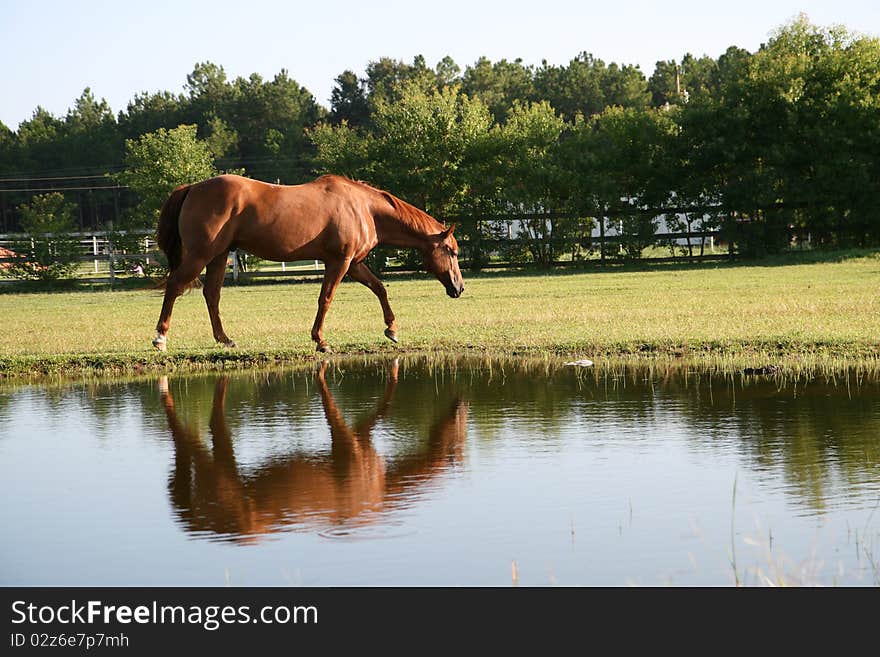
x,y
807,310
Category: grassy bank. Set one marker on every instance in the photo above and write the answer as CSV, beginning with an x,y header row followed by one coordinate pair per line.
x,y
814,310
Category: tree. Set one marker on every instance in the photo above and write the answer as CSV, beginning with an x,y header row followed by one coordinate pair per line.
x,y
447,71
341,149
8,149
348,100
158,162
415,148
714,150
419,147
386,78
587,86
38,140
620,166
270,118
499,84
206,82
421,142
534,181
695,77
149,112
353,100
90,134
221,139
47,252
785,139
87,137
817,90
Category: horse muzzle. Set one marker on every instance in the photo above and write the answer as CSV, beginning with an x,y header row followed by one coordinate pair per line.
x,y
454,292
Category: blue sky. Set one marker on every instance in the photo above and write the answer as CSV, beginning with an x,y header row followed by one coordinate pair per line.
x,y
51,51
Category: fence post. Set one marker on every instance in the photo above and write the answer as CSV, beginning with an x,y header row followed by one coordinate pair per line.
x,y
95,251
602,238
110,255
731,225
235,266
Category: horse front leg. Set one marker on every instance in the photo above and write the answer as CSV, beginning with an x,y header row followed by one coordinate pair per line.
x,y
333,274
364,275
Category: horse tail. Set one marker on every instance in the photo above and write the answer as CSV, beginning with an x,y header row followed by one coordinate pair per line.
x,y
168,232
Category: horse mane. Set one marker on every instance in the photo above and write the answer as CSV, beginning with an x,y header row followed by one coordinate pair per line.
x,y
417,220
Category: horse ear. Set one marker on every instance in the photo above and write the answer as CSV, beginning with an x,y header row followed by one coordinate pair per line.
x,y
448,231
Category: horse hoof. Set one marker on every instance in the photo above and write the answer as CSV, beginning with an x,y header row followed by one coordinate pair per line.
x,y
229,344
161,345
391,335
324,349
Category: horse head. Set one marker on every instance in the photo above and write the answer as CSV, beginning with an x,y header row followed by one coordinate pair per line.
x,y
441,259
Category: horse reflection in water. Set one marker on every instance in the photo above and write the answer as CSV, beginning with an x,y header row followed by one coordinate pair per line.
x,y
348,488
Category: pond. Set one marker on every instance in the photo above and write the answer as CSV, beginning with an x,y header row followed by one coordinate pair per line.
x,y
441,472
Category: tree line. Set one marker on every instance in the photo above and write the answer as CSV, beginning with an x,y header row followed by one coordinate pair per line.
x,y
761,145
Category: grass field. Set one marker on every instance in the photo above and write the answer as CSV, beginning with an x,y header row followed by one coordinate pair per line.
x,y
797,309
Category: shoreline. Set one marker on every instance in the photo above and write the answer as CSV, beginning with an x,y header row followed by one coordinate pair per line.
x,y
767,358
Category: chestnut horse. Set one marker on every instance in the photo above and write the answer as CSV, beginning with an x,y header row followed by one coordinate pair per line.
x,y
332,219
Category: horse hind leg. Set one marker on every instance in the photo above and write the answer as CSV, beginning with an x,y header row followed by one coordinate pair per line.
x,y
214,275
334,271
178,281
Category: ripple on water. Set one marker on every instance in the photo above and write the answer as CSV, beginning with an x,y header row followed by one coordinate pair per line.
x,y
365,532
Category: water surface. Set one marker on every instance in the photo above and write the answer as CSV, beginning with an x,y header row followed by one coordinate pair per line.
x,y
419,473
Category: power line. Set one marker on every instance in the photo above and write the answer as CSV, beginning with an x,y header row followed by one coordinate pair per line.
x,y
224,161
64,170
33,178
60,189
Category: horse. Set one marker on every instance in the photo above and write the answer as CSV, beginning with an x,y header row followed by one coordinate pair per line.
x,y
332,218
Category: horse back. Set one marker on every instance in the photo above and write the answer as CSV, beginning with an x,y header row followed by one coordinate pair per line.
x,y
321,219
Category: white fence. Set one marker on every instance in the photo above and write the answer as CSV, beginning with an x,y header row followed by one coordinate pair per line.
x,y
97,249
103,261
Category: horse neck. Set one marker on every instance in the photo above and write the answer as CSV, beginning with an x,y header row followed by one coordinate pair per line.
x,y
394,231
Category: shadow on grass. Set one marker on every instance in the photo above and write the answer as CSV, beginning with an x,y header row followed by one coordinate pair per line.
x,y
8,286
